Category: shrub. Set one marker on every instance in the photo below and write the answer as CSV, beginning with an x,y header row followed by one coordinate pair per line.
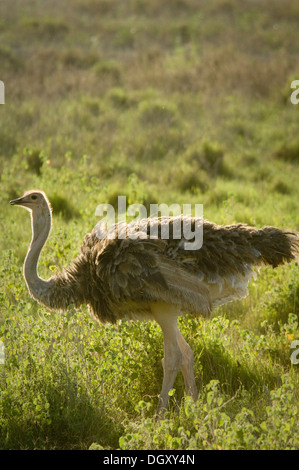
x,y
109,69
211,423
209,157
62,206
9,60
78,58
157,112
34,160
120,98
45,28
188,177
288,152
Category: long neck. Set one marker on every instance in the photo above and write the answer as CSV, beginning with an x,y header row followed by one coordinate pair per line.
x,y
41,226
62,289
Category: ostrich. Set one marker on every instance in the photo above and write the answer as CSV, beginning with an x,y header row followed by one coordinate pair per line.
x,y
154,278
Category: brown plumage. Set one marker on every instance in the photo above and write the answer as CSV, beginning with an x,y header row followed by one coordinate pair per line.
x,y
155,278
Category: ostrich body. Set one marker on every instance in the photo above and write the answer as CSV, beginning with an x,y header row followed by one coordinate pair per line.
x,y
154,278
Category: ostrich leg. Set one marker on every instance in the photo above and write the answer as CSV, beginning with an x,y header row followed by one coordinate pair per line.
x,y
187,366
177,354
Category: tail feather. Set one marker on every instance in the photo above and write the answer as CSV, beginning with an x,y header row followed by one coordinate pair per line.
x,y
294,239
277,246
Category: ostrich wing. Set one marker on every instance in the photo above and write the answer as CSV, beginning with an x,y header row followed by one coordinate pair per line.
x,y
136,272
126,274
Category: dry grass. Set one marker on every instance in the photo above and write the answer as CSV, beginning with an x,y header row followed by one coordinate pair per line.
x,y
71,49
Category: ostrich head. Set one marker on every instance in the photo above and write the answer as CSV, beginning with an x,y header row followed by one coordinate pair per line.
x,y
37,204
33,200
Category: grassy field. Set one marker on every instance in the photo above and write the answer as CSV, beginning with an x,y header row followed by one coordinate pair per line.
x,y
180,101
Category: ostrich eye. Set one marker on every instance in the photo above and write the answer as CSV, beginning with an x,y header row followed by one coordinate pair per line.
x,y
34,197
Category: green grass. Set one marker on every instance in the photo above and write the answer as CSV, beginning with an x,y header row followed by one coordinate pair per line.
x,y
173,102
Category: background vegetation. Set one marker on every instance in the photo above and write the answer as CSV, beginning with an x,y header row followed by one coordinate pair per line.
x,y
180,101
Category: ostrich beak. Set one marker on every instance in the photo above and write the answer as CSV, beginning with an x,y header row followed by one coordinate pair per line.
x,y
17,201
